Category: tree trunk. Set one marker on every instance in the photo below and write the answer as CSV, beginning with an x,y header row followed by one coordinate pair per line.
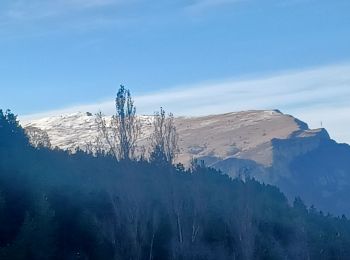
x,y
151,249
194,232
179,228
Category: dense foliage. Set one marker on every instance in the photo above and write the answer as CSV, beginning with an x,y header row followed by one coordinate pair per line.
x,y
56,205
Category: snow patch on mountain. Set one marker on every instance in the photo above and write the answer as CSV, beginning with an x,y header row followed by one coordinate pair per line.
x,y
244,135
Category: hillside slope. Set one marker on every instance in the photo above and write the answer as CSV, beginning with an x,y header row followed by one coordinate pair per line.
x,y
268,145
59,205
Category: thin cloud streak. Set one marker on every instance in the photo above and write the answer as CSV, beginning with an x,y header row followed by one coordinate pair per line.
x,y
313,95
202,5
21,10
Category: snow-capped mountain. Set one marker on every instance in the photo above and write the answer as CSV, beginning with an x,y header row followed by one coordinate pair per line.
x,y
267,145
71,131
243,135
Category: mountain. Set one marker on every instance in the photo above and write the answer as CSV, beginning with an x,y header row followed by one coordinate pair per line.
x,y
268,145
244,135
60,205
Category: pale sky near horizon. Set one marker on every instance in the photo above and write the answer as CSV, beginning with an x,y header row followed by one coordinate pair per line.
x,y
192,57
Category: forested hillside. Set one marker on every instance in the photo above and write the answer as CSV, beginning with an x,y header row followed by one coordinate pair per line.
x,y
56,205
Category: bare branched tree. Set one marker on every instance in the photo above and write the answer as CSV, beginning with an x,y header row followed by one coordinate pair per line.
x,y
96,147
164,139
127,124
107,134
38,137
124,129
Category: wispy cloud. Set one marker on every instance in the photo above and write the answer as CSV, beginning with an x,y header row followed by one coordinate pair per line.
x,y
201,5
314,95
22,10
35,18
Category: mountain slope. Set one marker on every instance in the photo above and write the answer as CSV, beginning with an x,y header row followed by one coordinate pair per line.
x,y
244,135
59,205
268,145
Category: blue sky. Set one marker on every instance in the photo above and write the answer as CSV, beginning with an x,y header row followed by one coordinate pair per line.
x,y
61,55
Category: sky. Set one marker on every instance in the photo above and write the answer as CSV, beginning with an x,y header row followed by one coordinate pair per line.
x,y
193,57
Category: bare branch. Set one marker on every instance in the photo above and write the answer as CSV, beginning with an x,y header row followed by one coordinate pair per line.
x,y
164,140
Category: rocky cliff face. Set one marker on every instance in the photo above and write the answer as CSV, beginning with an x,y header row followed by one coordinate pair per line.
x,y
245,135
321,176
268,145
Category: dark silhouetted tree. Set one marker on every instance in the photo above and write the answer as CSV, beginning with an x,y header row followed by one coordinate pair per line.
x,y
11,134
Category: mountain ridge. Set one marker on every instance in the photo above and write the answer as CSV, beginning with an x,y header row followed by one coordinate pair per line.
x,y
263,144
